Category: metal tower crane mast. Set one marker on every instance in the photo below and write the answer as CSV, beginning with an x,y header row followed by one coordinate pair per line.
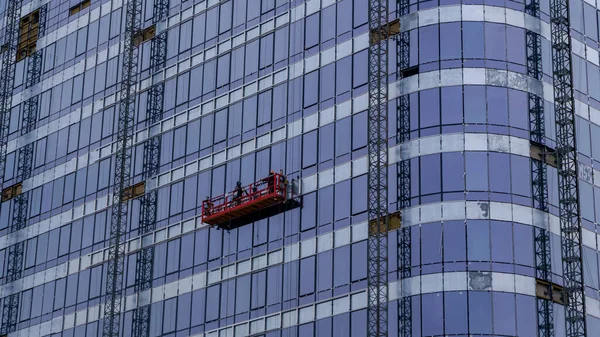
x,y
145,257
377,276
7,76
120,196
568,185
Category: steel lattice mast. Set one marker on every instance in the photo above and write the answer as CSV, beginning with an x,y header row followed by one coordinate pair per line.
x,y
403,167
145,257
20,205
7,76
568,185
377,310
539,176
118,225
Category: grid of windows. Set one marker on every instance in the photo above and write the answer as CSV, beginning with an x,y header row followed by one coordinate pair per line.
x,y
82,67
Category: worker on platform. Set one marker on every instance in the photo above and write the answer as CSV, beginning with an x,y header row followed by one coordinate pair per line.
x,y
271,181
237,193
208,206
283,182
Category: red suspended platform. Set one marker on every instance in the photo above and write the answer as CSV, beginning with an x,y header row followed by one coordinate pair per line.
x,y
249,203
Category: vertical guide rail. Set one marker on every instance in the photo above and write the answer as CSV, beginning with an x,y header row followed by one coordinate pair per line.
x,y
403,166
539,175
145,257
25,162
403,136
377,276
118,224
7,76
568,185
21,201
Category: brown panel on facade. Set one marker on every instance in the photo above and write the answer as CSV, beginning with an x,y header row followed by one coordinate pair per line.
x,y
144,35
134,191
28,34
542,153
79,7
12,191
387,31
542,290
394,223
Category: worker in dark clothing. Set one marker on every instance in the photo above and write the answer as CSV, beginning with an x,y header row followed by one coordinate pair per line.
x,y
271,181
237,193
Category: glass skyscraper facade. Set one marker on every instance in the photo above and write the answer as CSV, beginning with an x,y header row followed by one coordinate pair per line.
x,y
249,86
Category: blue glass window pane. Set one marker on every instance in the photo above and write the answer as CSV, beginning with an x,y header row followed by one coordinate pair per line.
x,y
523,244
521,183
453,172
360,72
344,11
213,302
473,39
324,270
497,105
428,52
281,44
312,31
251,58
199,29
341,266
359,261
225,17
308,213
328,18
228,298
274,284
239,12
309,144
184,304
502,241
431,250
431,168
455,306
307,276
475,105
212,21
478,236
450,41
264,107
481,319
223,70
452,105
311,88
209,76
516,101
359,130
266,51
343,75
499,175
495,37
342,200
454,241
477,171
434,320
504,313
515,40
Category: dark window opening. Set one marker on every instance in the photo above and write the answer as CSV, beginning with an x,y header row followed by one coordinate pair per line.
x,y
410,71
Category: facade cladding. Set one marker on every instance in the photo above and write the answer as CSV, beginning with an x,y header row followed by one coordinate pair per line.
x,y
253,85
